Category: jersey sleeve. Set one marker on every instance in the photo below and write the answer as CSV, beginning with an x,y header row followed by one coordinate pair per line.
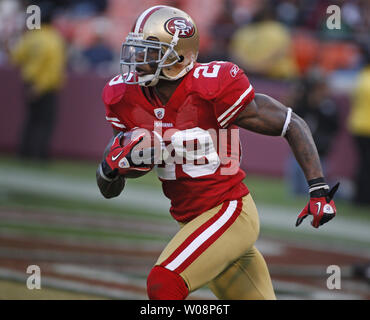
x,y
235,93
113,119
113,92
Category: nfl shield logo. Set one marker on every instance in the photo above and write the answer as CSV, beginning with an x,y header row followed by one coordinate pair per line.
x,y
159,113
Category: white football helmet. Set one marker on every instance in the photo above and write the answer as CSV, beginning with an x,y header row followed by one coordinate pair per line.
x,y
164,37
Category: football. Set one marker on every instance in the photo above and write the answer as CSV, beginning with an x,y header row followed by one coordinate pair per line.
x,y
143,154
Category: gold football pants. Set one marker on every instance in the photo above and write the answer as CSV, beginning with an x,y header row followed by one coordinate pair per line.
x,y
217,249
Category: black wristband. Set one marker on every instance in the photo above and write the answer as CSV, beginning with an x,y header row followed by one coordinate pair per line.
x,y
318,187
316,180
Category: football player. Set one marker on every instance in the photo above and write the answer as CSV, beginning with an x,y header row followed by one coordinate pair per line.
x,y
162,86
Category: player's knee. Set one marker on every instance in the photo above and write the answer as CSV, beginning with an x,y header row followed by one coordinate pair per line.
x,y
164,284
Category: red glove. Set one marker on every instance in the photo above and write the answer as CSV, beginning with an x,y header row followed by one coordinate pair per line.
x,y
118,161
321,206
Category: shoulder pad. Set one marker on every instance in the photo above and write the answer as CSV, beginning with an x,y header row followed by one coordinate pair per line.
x,y
210,78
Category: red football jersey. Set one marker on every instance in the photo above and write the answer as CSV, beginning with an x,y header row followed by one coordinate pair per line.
x,y
196,125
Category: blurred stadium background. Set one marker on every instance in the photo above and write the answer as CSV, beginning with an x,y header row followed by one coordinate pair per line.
x,y
51,212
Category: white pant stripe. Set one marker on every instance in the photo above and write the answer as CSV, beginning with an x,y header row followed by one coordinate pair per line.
x,y
206,234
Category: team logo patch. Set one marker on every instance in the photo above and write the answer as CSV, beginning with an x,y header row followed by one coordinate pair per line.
x,y
234,70
328,209
159,113
186,28
123,163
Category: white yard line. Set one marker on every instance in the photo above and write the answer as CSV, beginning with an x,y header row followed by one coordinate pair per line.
x,y
61,256
83,220
153,201
285,219
101,244
61,186
94,273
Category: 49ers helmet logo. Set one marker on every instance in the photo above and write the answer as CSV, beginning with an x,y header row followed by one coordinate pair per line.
x,y
186,28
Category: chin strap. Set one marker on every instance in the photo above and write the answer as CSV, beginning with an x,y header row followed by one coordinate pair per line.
x,y
148,80
151,80
179,75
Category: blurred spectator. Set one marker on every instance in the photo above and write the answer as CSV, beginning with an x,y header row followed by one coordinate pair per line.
x,y
359,126
258,34
314,104
264,46
11,26
287,12
98,55
40,55
220,31
86,7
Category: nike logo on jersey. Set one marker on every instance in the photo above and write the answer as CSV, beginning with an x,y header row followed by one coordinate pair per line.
x,y
114,158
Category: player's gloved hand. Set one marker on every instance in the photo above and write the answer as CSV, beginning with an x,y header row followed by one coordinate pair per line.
x,y
119,160
321,206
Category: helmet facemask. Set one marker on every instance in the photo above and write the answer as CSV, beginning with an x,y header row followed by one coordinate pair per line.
x,y
138,51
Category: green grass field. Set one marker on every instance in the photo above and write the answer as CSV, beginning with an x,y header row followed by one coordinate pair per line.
x,y
14,291
266,190
44,200
31,186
